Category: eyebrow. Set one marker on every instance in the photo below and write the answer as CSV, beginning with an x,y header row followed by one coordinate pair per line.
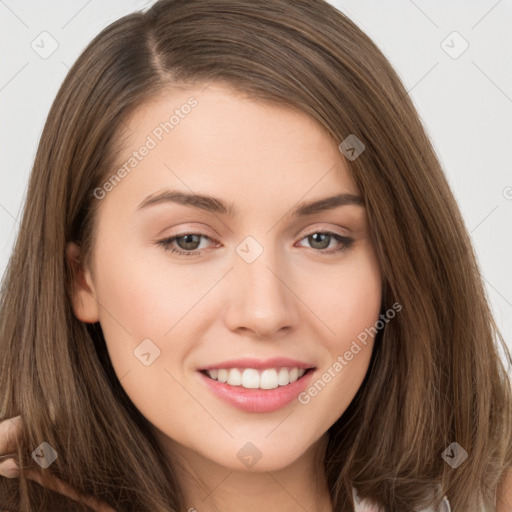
x,y
215,205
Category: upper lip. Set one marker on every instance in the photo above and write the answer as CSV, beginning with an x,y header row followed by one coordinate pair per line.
x,y
274,362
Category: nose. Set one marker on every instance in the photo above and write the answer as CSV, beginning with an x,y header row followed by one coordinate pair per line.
x,y
260,297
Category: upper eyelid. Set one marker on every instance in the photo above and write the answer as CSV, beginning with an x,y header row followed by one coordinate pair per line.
x,y
212,235
188,226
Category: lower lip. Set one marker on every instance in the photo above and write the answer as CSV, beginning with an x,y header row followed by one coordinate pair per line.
x,y
258,400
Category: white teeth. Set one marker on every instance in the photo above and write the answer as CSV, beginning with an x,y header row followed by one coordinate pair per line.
x,y
235,377
268,379
249,378
283,377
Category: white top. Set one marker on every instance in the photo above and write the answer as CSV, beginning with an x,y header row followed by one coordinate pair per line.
x,y
365,506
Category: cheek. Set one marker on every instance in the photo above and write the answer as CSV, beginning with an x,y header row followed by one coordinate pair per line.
x,y
136,306
346,298
350,307
147,300
151,307
147,331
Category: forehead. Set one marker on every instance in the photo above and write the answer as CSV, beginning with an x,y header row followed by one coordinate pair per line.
x,y
215,139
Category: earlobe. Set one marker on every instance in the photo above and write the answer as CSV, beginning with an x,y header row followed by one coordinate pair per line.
x,y
83,295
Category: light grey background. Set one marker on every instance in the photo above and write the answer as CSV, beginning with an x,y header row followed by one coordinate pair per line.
x,y
465,101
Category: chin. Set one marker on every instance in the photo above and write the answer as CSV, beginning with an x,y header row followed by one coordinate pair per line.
x,y
259,457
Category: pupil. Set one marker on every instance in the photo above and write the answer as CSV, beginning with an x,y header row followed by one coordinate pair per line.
x,y
323,245
188,239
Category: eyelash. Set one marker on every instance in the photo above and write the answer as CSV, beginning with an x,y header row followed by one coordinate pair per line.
x,y
344,240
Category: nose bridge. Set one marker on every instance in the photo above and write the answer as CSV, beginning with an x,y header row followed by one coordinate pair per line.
x,y
260,299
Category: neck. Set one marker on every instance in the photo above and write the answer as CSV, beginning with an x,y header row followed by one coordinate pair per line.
x,y
210,487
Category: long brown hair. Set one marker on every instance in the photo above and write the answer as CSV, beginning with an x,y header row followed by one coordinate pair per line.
x,y
435,376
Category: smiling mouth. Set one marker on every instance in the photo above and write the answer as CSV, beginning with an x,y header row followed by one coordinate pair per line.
x,y
251,378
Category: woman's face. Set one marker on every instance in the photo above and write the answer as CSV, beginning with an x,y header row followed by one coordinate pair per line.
x,y
255,293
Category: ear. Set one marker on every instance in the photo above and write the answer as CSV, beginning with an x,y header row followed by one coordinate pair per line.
x,y
83,295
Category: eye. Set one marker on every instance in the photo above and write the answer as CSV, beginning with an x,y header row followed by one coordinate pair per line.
x,y
321,240
189,242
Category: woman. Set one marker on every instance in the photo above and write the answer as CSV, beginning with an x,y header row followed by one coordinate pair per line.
x,y
242,282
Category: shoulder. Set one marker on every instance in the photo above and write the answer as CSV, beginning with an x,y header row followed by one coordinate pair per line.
x,y
504,497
